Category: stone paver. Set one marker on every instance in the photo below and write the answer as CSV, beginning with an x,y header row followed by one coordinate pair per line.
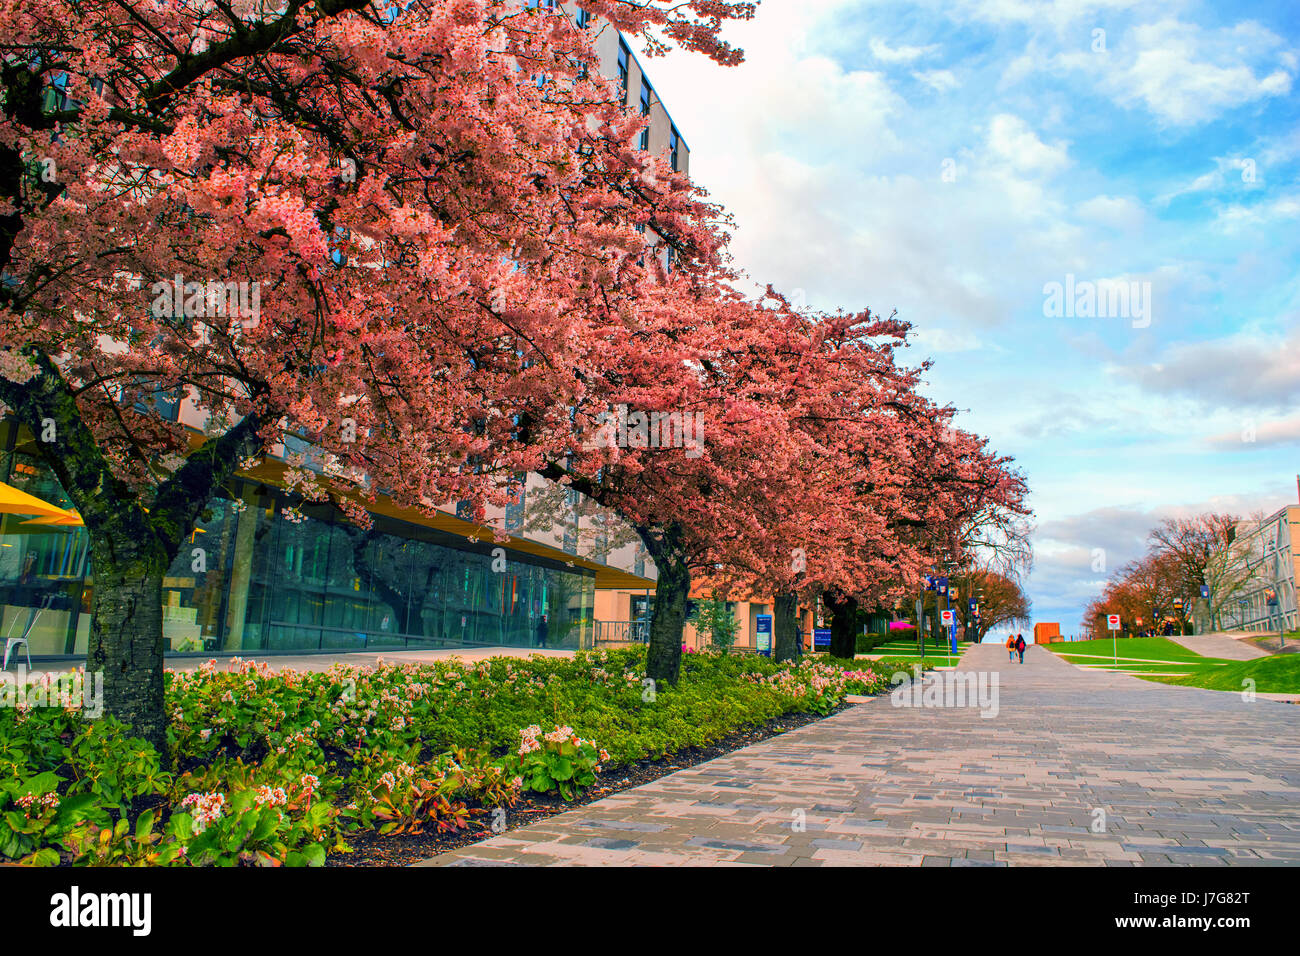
x,y
1223,646
1176,775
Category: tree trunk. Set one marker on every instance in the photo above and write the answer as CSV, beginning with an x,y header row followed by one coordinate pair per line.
x,y
785,627
844,624
131,548
672,589
126,637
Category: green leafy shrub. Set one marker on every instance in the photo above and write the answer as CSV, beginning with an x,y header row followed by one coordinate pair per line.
x,y
716,620
557,760
34,818
124,845
866,643
401,797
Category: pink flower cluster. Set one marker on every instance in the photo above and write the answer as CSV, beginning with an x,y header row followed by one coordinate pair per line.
x,y
807,679
560,734
529,741
271,797
49,801
206,808
390,778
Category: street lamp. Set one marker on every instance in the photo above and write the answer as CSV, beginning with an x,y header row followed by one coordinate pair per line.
x,y
950,593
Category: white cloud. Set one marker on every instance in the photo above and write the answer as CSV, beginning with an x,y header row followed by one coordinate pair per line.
x,y
1184,75
941,81
1277,209
1241,371
1060,14
1255,434
900,54
1013,143
834,192
1117,212
932,339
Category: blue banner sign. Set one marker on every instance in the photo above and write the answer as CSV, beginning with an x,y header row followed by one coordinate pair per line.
x,y
763,634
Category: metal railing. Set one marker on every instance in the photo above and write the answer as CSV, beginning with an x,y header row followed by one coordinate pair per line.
x,y
622,632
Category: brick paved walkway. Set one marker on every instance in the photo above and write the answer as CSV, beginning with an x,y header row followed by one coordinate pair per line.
x,y
1223,646
1184,776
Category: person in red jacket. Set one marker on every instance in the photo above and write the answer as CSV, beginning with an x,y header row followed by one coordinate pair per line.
x,y
1020,647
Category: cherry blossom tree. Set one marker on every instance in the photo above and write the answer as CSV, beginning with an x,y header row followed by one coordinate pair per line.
x,y
670,437
323,220
813,451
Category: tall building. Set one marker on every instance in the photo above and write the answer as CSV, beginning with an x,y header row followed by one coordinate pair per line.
x,y
1264,585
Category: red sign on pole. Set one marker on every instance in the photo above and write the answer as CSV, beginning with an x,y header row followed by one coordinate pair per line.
x,y
1112,622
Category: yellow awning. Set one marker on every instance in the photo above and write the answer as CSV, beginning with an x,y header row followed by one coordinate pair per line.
x,y
67,518
15,502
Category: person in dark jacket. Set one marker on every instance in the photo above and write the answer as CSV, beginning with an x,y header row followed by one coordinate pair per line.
x,y
541,632
1020,647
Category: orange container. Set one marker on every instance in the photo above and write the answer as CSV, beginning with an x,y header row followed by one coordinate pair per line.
x,y
1047,633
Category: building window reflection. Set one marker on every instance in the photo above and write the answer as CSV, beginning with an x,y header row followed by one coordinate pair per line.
x,y
255,577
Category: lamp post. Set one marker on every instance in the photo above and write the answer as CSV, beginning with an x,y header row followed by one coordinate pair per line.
x,y
949,565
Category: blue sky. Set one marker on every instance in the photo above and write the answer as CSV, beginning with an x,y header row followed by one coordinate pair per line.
x,y
951,158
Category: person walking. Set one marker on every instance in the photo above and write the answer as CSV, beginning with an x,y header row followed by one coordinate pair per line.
x,y
1011,647
541,632
1020,647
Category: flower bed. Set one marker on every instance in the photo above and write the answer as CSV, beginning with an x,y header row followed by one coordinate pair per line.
x,y
279,768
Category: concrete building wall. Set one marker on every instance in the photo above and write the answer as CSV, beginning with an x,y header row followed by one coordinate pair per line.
x,y
608,41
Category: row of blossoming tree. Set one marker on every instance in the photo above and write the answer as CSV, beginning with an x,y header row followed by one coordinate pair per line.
x,y
459,263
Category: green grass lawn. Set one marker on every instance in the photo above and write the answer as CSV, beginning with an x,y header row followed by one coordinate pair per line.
x,y
888,665
907,649
1272,675
1147,655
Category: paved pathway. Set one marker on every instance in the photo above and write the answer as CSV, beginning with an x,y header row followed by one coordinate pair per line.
x,y
1183,776
1223,646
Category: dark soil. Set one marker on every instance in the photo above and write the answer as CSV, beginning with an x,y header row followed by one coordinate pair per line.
x,y
372,849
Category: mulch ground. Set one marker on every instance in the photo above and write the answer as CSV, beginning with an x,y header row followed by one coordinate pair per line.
x,y
371,849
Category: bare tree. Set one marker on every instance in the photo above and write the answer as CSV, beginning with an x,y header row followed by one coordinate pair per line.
x,y
1000,597
1191,544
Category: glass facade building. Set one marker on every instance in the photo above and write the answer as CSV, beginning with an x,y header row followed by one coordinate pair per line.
x,y
256,575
